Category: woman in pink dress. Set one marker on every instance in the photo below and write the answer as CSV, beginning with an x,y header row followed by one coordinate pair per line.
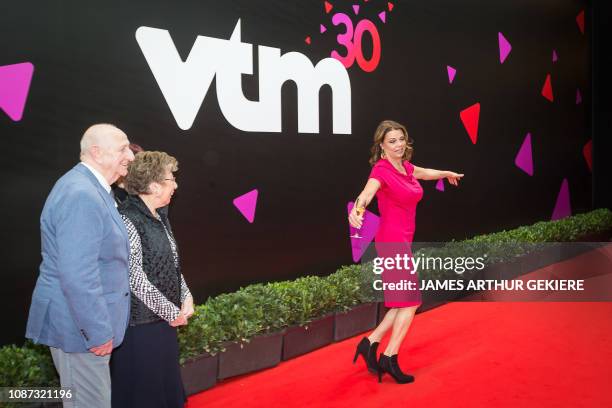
x,y
394,181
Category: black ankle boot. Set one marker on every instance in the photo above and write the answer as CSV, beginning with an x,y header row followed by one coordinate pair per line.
x,y
389,365
368,352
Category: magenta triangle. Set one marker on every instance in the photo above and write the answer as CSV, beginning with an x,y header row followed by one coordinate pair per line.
x,y
451,73
383,16
322,28
14,87
367,232
504,47
246,204
440,185
563,206
356,8
524,158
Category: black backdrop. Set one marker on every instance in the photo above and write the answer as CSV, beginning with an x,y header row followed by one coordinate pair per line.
x,y
89,68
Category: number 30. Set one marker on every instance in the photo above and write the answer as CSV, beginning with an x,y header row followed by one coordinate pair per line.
x,y
352,42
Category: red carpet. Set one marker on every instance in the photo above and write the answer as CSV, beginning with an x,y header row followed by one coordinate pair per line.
x,y
462,355
468,354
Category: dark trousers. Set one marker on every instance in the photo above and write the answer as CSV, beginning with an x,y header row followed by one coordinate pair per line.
x,y
145,369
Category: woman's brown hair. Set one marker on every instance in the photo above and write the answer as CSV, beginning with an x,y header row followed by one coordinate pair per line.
x,y
148,167
379,137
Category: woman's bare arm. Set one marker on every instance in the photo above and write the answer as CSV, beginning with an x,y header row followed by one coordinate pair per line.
x,y
422,173
364,198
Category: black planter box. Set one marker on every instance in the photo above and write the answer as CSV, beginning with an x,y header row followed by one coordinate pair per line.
x,y
540,258
429,301
359,319
602,236
503,270
199,373
302,339
569,250
260,352
382,311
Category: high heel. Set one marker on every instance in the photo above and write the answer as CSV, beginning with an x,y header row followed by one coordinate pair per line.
x,y
368,352
389,364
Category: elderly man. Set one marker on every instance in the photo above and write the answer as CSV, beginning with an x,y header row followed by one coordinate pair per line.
x,y
80,305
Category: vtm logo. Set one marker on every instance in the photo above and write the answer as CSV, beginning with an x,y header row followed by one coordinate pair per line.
x,y
185,84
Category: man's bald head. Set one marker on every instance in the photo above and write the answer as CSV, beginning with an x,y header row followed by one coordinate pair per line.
x,y
105,147
100,135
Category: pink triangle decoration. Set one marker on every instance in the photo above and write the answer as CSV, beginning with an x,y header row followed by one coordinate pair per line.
x,y
451,73
555,58
563,207
440,185
367,232
246,204
578,97
15,82
322,28
383,16
524,159
356,8
504,47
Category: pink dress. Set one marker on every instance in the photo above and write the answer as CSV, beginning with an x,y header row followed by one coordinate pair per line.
x,y
398,197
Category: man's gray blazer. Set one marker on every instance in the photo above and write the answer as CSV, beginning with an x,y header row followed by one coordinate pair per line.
x,y
82,295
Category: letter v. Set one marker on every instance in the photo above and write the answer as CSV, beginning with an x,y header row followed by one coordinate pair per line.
x,y
183,84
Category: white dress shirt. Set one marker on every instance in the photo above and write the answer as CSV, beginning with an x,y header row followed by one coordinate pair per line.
x,y
100,179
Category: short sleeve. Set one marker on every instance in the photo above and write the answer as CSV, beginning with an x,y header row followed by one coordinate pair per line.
x,y
378,173
409,168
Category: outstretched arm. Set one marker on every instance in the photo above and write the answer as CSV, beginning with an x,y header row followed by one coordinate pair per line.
x,y
422,173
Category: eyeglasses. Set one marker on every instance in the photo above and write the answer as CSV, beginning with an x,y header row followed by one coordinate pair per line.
x,y
170,179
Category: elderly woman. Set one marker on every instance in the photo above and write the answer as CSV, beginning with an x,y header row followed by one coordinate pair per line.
x,y
145,368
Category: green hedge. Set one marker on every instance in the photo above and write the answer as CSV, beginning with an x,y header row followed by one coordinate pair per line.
x,y
263,308
27,366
